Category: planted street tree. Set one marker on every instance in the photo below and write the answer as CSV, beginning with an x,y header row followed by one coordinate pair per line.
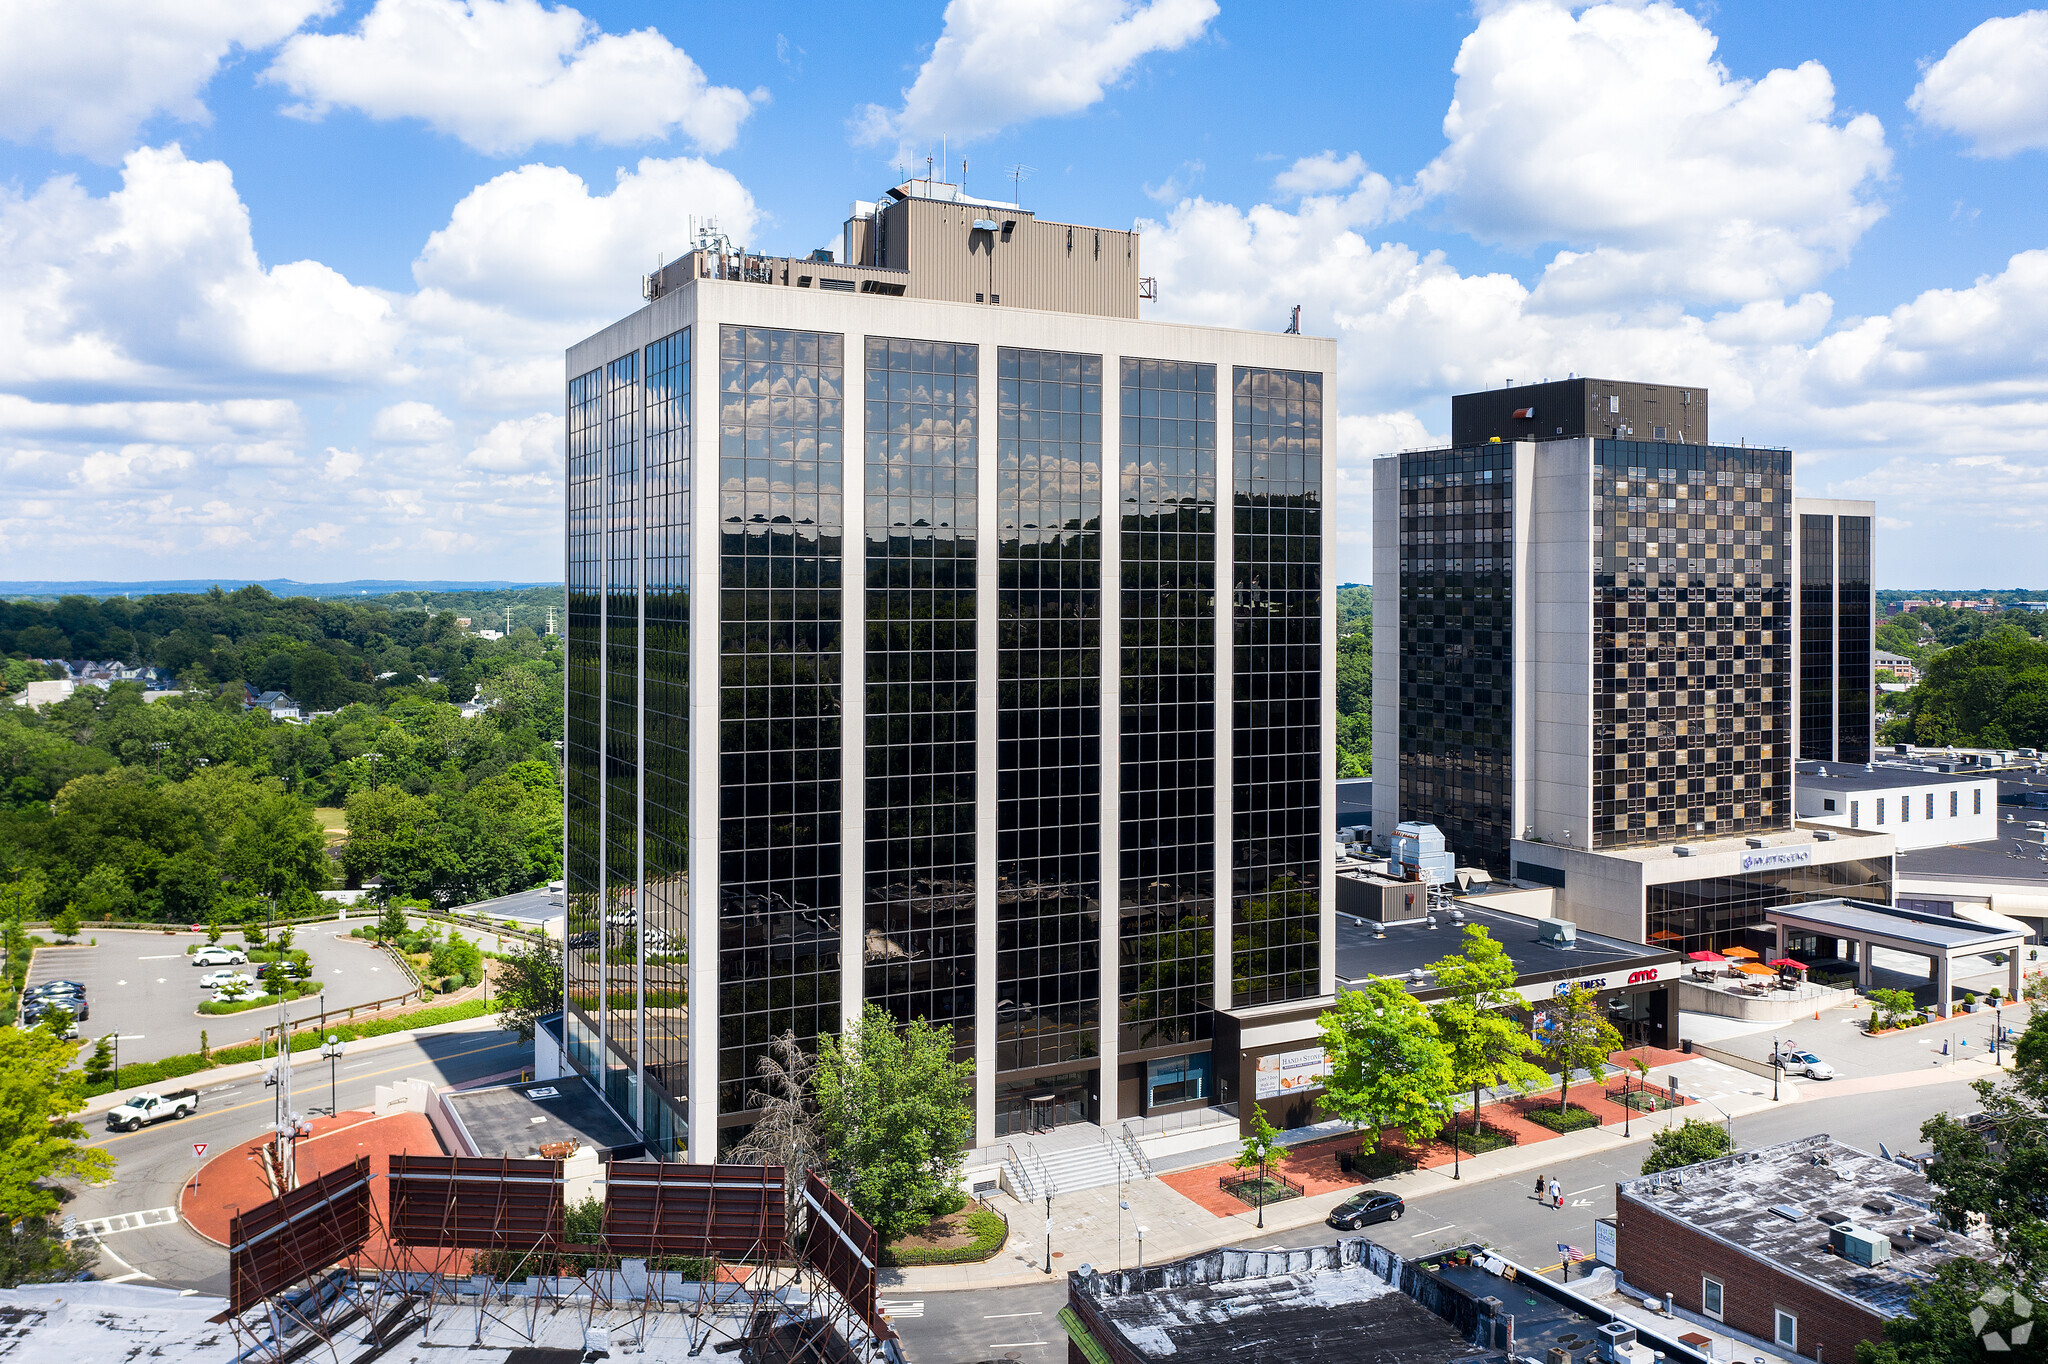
x,y
1261,1145
895,1113
1689,1143
786,1132
1579,1038
1388,1067
39,1140
1476,1021
529,986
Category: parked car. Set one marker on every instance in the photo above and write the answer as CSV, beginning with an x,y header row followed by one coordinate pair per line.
x,y
1366,1207
219,955
236,994
143,1109
51,989
1795,1061
219,980
582,942
33,1010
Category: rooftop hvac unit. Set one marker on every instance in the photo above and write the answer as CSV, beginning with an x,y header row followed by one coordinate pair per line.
x,y
1860,1246
1560,932
1615,1337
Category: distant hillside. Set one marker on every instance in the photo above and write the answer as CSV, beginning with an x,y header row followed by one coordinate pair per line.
x,y
282,587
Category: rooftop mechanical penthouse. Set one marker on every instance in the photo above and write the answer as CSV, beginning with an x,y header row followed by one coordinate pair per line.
x,y
1004,696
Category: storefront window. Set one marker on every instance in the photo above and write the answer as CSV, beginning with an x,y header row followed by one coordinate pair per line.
x,y
1177,1080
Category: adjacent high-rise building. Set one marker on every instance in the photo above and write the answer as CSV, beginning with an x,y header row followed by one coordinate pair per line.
x,y
1585,658
1837,634
1005,696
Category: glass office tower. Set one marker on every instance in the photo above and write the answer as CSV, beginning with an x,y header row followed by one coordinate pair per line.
x,y
1837,629
992,718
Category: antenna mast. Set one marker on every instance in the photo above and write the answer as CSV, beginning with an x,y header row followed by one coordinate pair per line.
x,y
1018,174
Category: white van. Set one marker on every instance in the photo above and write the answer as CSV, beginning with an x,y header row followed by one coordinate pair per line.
x,y
555,889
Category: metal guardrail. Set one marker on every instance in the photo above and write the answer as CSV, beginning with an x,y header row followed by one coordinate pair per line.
x,y
341,1013
1137,1152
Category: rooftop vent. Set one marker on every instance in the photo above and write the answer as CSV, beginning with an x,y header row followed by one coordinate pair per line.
x,y
1834,1219
1881,1206
1681,850
1823,835
1756,843
1927,1232
1789,1212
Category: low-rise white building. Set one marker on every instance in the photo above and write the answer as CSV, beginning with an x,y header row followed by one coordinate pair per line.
x,y
1919,806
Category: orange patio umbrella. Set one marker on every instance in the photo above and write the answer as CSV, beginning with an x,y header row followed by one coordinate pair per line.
x,y
1741,953
1750,968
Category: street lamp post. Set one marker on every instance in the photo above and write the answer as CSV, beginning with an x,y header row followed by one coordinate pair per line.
x,y
1123,1205
1141,1255
332,1050
1777,1068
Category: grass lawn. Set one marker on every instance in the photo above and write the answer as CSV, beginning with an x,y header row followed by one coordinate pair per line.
x,y
334,820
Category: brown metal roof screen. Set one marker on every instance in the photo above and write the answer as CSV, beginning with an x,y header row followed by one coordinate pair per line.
x,y
278,1243
475,1202
731,1212
843,1250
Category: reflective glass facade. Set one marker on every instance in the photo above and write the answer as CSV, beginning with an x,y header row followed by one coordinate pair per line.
x,y
583,731
1710,915
1856,676
1049,686
922,400
1277,826
780,430
619,964
1166,894
1692,645
1817,638
1457,647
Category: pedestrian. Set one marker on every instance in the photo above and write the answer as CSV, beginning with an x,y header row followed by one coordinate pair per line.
x,y
1556,1193
1542,1182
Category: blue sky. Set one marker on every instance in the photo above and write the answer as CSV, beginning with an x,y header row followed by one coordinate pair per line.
x,y
287,283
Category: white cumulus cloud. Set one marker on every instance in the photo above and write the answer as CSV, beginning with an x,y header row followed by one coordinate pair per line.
x,y
521,443
88,74
343,465
410,423
159,283
535,241
1004,62
503,75
1992,86
1616,132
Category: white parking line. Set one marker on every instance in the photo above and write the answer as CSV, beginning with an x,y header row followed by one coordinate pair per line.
x,y
1002,1316
1420,1234
1576,1192
168,956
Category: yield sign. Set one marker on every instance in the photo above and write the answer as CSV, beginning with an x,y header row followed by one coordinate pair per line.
x,y
198,1149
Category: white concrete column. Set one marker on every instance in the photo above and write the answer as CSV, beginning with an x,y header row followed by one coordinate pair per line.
x,y
2012,972
701,972
853,679
1942,984
987,732
1862,946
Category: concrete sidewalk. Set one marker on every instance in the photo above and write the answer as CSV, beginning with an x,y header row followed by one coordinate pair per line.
x,y
1090,1228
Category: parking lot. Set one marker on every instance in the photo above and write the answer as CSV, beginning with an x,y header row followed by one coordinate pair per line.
x,y
142,986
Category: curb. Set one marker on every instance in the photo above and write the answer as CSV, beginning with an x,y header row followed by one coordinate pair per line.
x,y
244,1070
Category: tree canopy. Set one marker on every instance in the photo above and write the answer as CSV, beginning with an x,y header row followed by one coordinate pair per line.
x,y
1990,691
1478,1022
1689,1143
1388,1067
39,1139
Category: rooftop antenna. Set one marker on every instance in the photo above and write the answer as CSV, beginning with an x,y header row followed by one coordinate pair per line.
x,y
1294,323
963,175
927,173
1018,174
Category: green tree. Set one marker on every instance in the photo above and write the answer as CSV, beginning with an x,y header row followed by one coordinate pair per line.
x,y
1261,1144
100,1065
392,922
1388,1067
1579,1038
1939,1325
1477,1023
1891,1007
39,1139
31,1252
529,986
277,851
895,1113
1689,1143
102,895
65,922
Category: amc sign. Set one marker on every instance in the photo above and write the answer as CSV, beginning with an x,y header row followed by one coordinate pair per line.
x,y
1646,976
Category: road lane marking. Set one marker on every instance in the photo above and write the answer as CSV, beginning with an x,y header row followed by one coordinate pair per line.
x,y
254,1103
1576,1192
115,1223
1416,1236
1003,1316
1014,1344
168,956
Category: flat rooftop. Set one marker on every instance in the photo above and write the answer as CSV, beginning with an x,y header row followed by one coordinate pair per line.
x,y
1770,1203
1412,945
1879,776
1849,844
1253,1307
1938,931
2005,861
515,1120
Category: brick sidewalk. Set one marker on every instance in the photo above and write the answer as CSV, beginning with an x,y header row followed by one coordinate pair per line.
x,y
233,1181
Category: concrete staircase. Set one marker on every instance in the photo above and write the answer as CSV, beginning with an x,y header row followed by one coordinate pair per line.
x,y
1068,1160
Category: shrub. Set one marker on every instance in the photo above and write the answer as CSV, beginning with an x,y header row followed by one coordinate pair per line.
x,y
990,1231
1570,1119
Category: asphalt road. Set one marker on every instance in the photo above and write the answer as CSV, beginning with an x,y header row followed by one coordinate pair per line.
x,y
142,986
1018,1324
154,1163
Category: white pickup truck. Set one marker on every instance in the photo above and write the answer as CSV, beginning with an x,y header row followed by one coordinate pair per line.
x,y
144,1109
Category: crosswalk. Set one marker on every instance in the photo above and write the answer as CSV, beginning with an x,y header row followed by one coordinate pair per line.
x,y
128,1221
896,1310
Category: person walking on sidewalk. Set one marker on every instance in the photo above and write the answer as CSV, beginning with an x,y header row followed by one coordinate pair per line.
x,y
1556,1193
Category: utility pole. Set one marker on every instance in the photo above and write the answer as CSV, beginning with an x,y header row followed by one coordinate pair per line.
x,y
1048,1231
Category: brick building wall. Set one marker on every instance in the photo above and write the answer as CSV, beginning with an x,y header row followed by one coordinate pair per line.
x,y
1658,1254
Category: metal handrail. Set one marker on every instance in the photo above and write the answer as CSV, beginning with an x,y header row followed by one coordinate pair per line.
x,y
1138,1157
1016,1163
1044,1171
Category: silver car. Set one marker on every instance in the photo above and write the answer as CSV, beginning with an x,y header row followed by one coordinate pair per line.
x,y
1794,1061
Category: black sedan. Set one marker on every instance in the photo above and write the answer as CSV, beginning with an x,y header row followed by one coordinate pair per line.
x,y
1366,1207
51,988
